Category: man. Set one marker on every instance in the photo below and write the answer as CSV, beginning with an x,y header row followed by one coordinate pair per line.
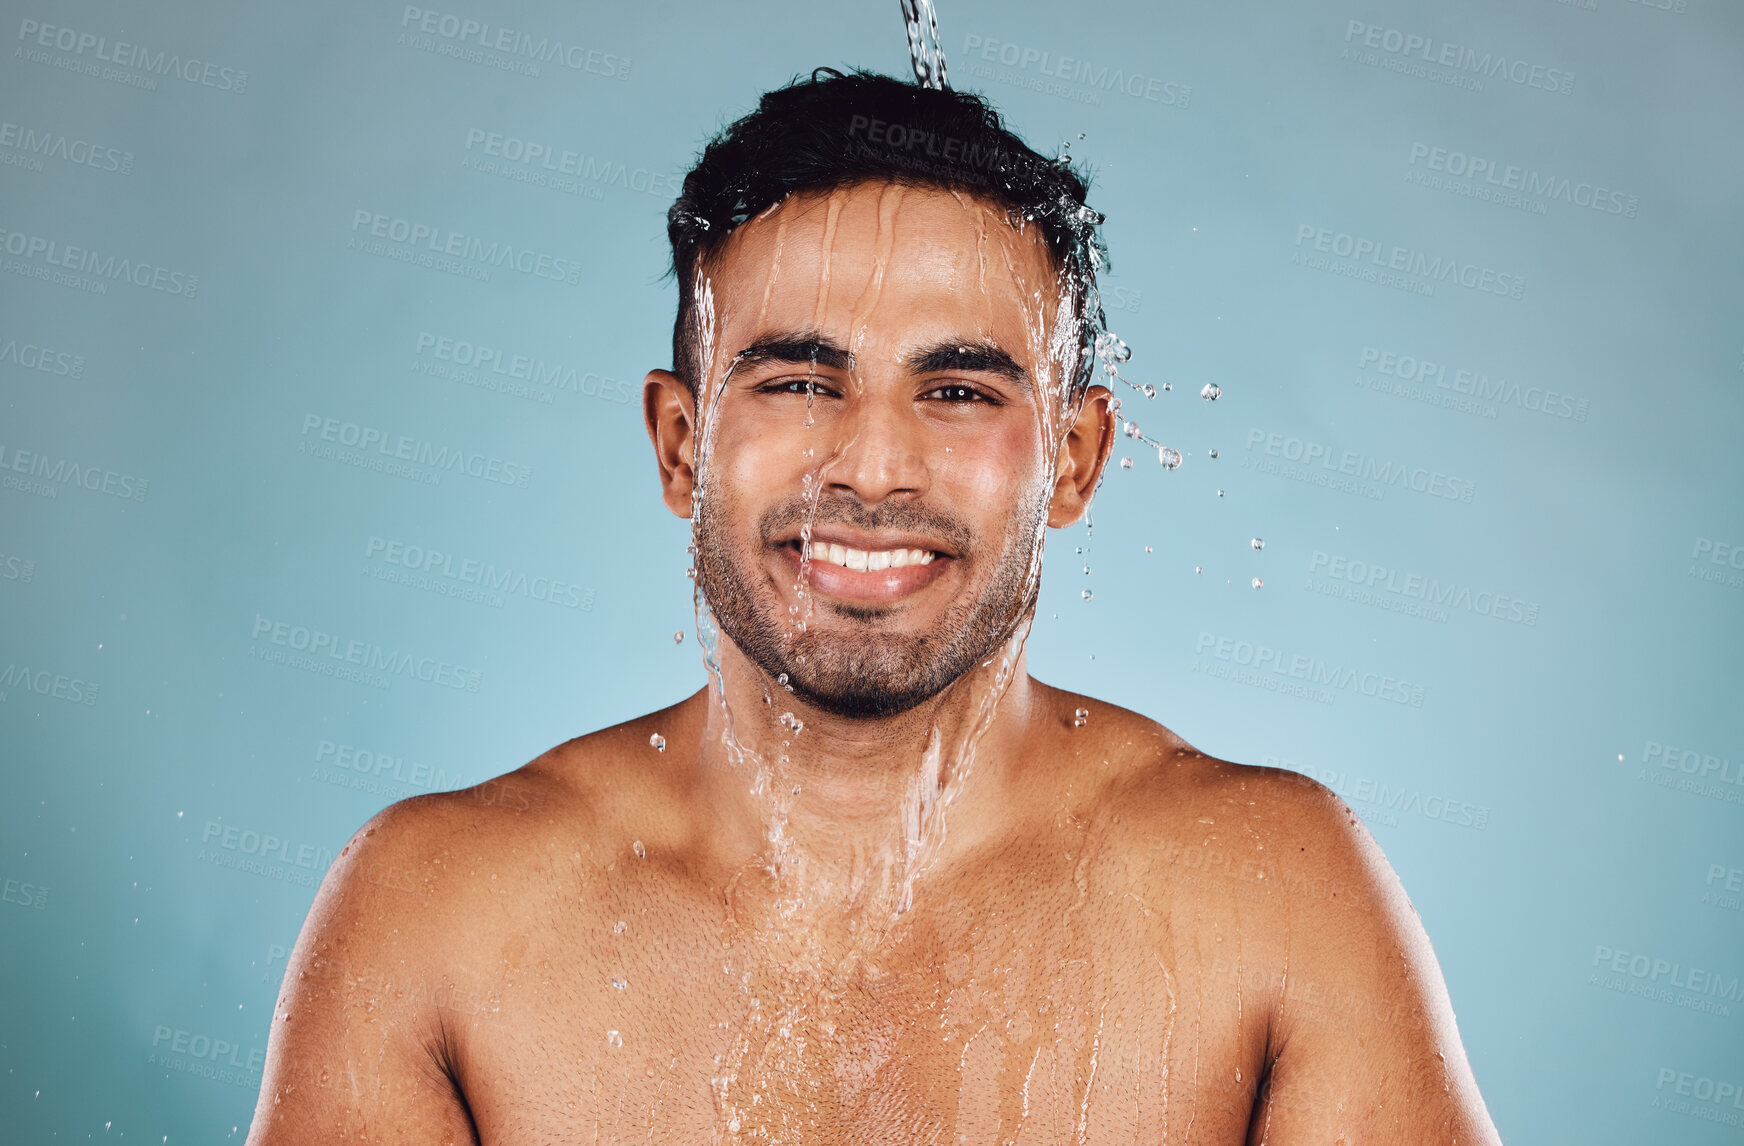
x,y
874,884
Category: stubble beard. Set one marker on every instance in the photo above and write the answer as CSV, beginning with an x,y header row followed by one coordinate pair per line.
x,y
858,670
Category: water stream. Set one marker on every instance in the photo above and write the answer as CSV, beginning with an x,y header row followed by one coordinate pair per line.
x,y
858,993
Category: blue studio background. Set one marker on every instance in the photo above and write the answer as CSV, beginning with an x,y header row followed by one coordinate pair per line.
x,y
1466,274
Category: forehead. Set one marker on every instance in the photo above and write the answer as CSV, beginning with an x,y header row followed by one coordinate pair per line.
x,y
881,265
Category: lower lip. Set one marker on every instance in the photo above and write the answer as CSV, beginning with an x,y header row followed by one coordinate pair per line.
x,y
846,584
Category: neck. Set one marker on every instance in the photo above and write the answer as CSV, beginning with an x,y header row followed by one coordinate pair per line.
x,y
851,811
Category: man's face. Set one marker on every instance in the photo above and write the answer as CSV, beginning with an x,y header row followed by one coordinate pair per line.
x,y
889,389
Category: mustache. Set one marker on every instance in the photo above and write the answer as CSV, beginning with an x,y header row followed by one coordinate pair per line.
x,y
907,516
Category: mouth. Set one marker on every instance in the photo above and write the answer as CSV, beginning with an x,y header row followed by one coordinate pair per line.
x,y
867,570
869,561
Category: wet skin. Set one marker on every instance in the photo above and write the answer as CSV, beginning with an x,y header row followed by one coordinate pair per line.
x,y
1118,940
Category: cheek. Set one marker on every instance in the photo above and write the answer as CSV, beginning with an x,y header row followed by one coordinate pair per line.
x,y
993,472
754,466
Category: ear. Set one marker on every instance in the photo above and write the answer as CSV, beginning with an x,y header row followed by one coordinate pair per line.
x,y
670,412
1083,453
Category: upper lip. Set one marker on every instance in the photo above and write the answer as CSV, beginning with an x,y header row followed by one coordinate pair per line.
x,y
850,538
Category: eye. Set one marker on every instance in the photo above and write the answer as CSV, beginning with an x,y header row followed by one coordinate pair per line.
x,y
957,392
810,383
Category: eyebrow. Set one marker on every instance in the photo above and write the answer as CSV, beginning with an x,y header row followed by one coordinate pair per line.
x,y
803,347
969,357
808,347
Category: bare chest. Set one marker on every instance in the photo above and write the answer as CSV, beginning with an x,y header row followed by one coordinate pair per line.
x,y
1046,1010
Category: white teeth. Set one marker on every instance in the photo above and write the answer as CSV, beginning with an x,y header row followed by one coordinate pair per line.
x,y
874,561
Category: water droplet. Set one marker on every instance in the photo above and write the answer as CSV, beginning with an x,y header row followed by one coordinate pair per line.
x,y
678,637
1619,757
1168,385
1258,543
1219,493
1080,717
1125,463
619,927
1087,594
615,1038
791,722
782,679
1086,570
1211,391
1170,457
618,982
658,741
1148,390
1213,453
641,852
691,572
1147,549
1132,429
1257,583
1198,568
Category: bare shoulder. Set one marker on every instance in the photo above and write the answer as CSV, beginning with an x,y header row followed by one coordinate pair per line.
x,y
438,846
412,879
1164,784
1265,837
423,885
1363,1040
418,921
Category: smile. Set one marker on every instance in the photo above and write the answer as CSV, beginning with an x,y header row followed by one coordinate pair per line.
x,y
864,574
863,561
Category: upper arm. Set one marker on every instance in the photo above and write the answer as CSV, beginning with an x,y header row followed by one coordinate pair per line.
x,y
1365,1048
358,1048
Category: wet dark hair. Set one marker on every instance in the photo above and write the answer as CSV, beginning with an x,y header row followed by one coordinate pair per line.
x,y
834,129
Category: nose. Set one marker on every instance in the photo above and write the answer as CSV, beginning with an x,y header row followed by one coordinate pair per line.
x,y
881,453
